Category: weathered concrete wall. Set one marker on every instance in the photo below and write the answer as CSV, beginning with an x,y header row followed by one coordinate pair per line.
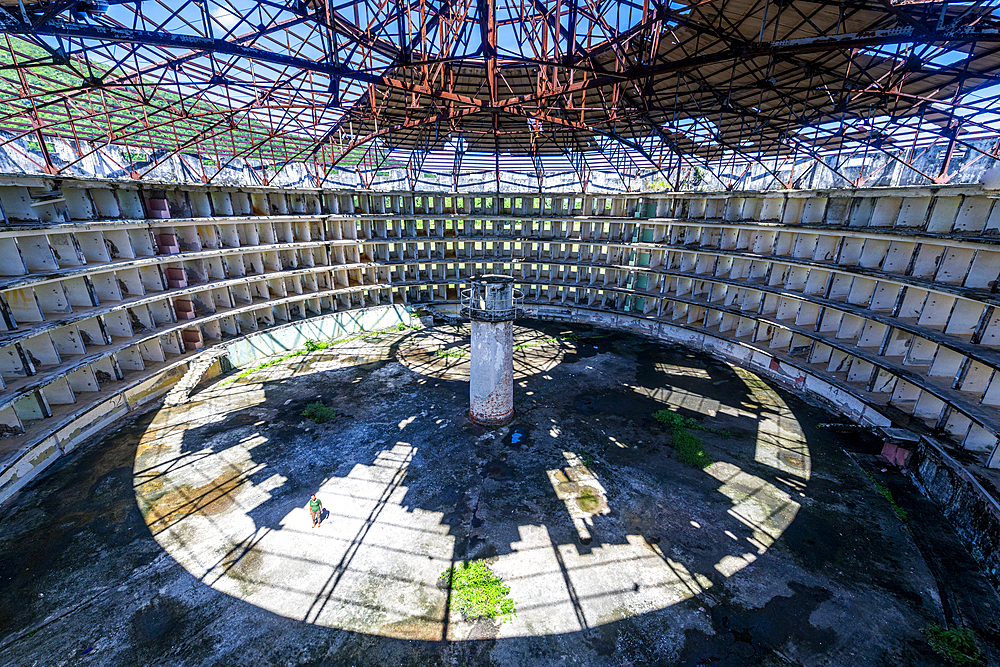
x,y
965,501
491,376
77,427
247,350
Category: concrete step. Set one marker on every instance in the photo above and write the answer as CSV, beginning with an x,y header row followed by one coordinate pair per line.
x,y
196,372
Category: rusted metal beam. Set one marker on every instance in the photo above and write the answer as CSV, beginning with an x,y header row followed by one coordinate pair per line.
x,y
488,35
330,81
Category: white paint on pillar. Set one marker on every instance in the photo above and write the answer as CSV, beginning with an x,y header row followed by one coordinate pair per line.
x,y
491,376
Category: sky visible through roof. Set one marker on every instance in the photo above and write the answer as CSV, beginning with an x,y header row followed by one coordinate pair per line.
x,y
365,85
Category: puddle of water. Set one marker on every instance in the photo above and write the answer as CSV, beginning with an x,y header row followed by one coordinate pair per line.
x,y
515,437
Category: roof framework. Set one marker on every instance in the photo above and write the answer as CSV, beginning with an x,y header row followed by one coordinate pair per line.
x,y
446,87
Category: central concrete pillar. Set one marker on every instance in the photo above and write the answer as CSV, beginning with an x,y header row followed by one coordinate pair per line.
x,y
491,305
491,377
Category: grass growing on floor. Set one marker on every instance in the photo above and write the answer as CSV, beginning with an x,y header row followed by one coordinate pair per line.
x,y
573,337
670,418
450,354
312,345
316,345
517,348
254,369
534,343
887,494
319,413
957,644
689,448
478,593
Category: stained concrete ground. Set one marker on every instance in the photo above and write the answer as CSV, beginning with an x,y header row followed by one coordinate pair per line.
x,y
183,538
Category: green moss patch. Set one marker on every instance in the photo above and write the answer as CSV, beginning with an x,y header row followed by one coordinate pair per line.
x,y
588,500
670,418
957,645
689,448
887,494
319,413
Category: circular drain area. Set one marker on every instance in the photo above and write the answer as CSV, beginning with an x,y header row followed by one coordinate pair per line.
x,y
583,506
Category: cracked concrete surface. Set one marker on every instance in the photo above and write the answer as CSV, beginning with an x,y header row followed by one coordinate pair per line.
x,y
184,539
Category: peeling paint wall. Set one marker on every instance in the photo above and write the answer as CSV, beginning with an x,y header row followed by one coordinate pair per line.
x,y
964,499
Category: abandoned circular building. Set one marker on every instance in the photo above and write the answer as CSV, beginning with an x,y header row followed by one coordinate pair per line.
x,y
749,407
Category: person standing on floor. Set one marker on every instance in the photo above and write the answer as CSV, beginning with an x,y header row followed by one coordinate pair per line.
x,y
316,511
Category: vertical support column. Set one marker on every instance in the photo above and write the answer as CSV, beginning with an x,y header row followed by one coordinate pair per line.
x,y
491,377
492,304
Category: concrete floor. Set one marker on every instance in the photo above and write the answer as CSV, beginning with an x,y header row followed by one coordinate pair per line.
x,y
184,539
